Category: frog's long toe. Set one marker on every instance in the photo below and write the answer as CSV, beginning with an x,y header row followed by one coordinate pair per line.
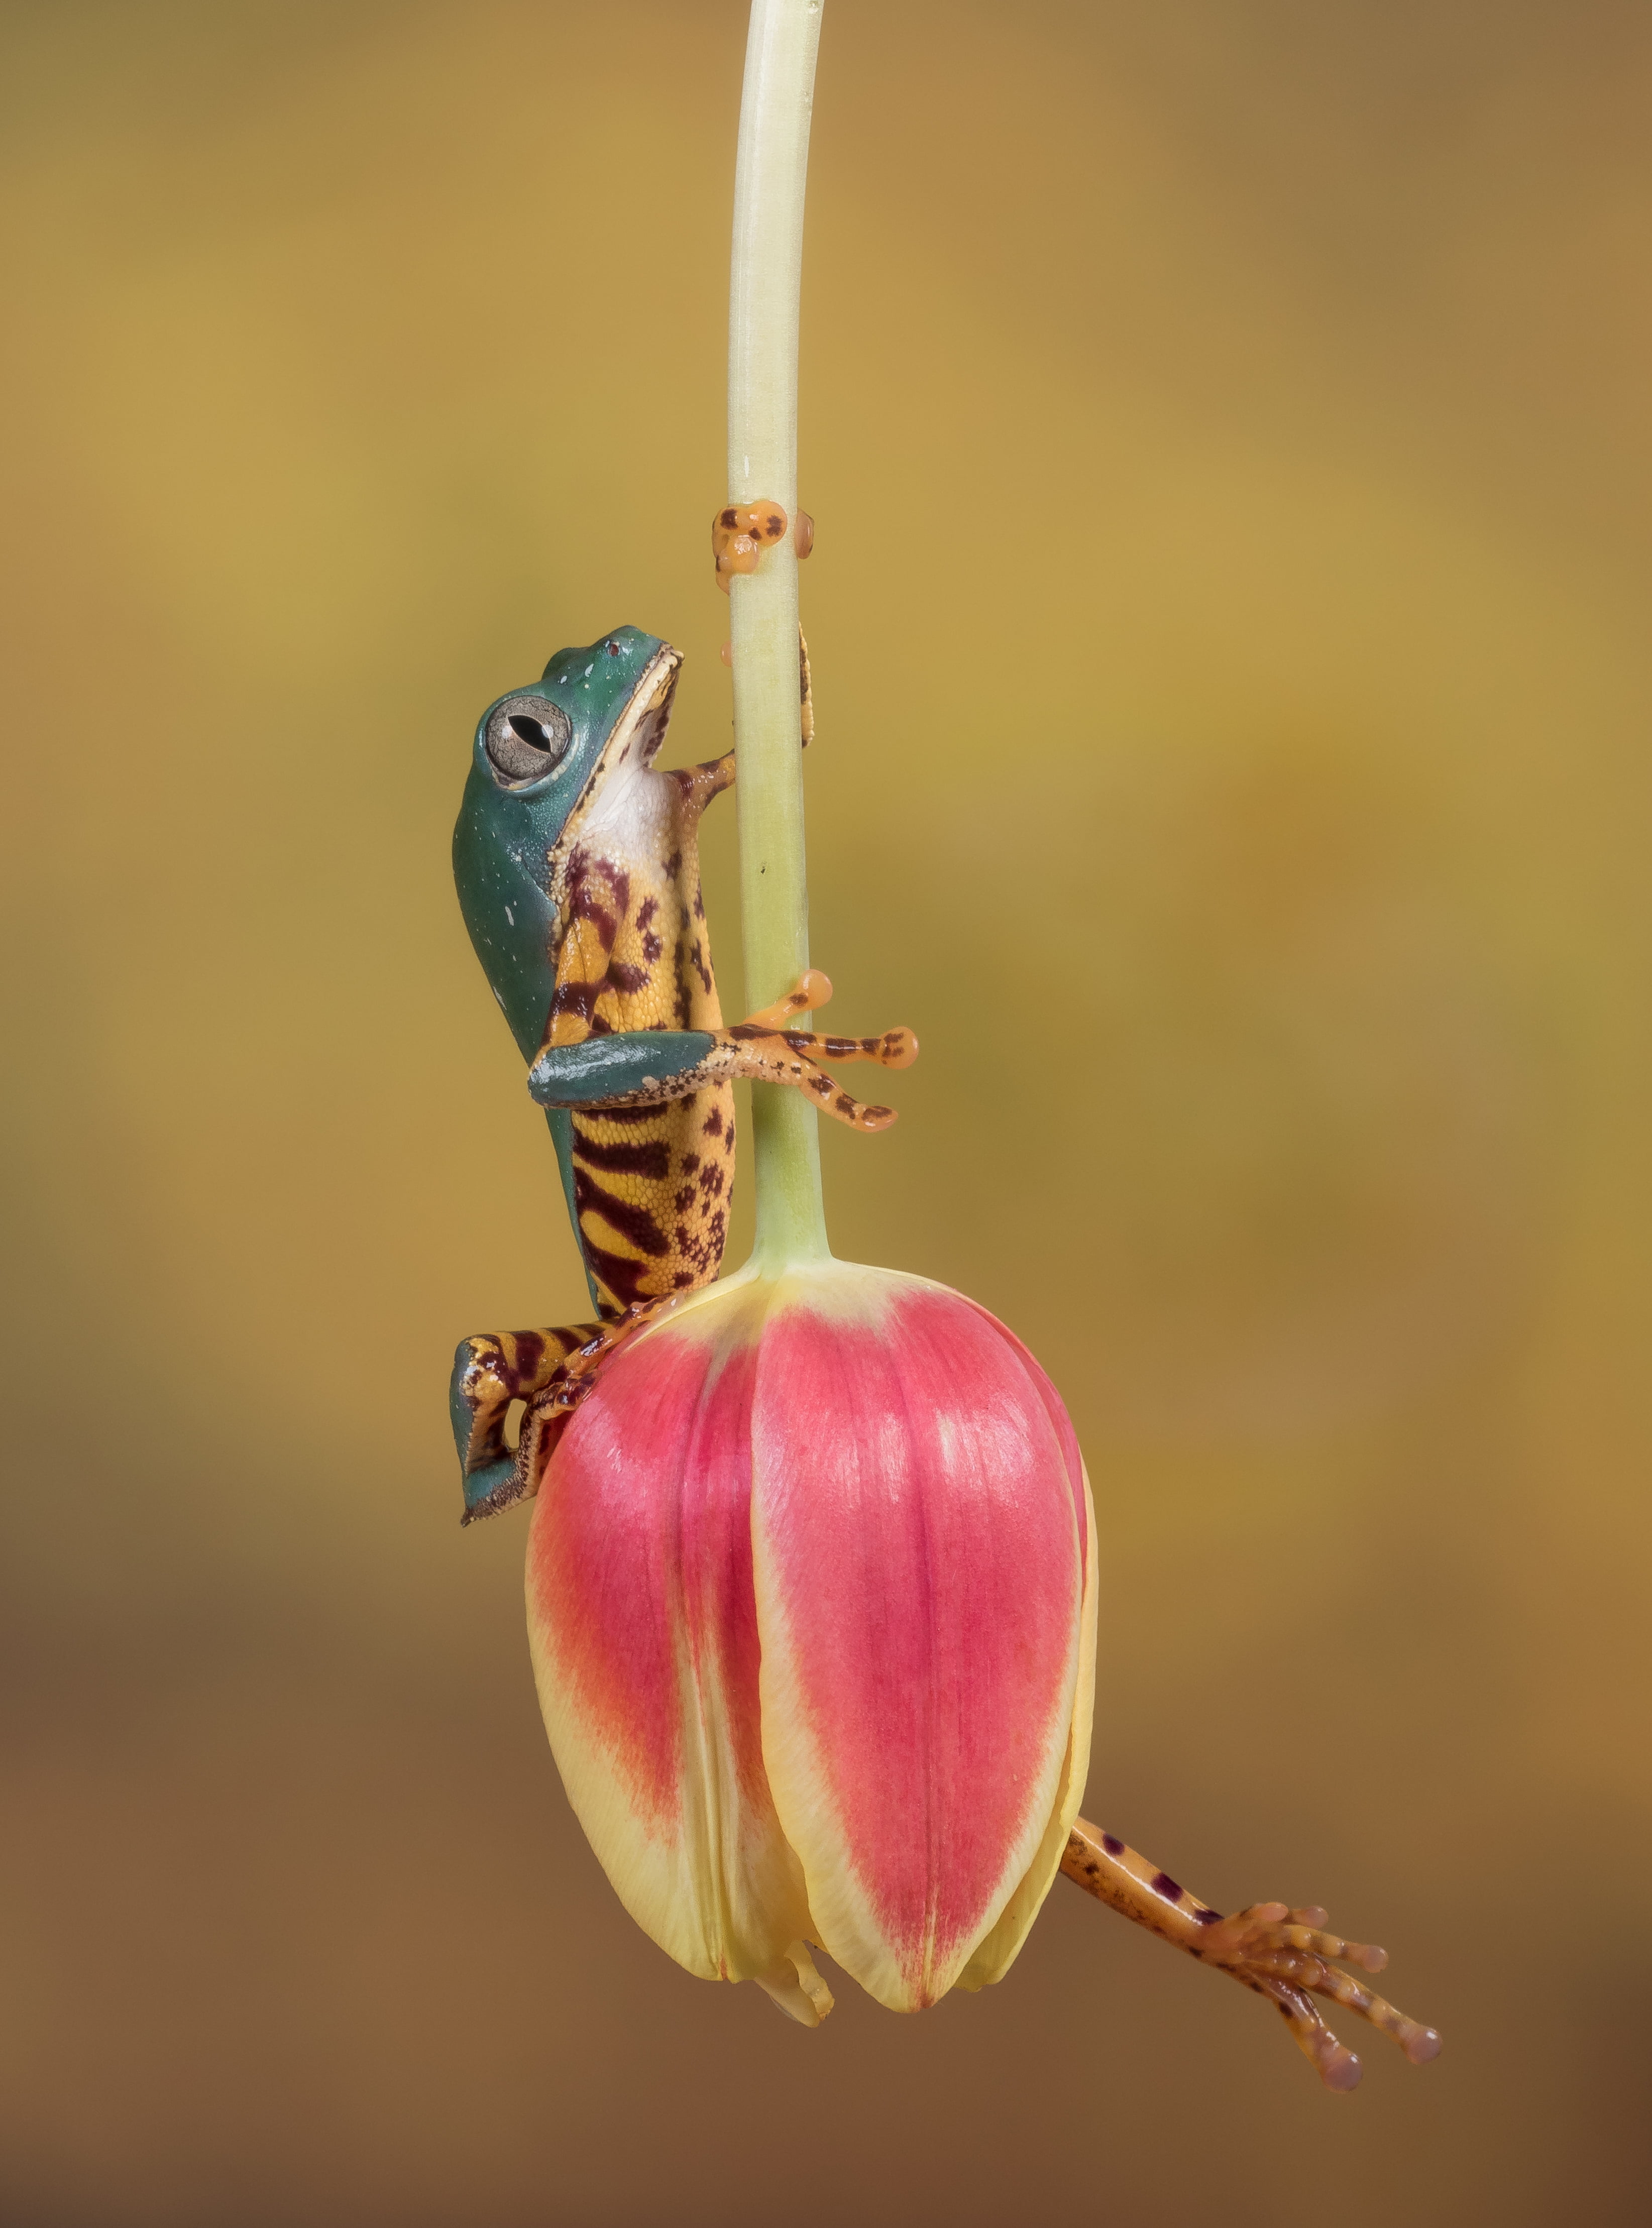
x,y
1334,2063
896,1048
807,995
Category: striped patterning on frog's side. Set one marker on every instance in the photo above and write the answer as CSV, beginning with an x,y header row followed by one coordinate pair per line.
x,y
651,1184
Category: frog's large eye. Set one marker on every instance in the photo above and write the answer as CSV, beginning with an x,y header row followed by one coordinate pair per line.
x,y
526,737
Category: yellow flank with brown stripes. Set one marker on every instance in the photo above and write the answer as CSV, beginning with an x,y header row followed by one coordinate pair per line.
x,y
652,1184
658,1224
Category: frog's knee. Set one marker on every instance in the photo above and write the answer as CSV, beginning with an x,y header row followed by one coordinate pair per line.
x,y
480,1394
468,1390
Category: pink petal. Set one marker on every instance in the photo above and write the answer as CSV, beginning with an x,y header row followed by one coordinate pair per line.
x,y
642,1624
1055,1408
1000,1947
920,1584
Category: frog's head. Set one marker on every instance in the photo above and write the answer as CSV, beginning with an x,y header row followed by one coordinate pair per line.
x,y
541,757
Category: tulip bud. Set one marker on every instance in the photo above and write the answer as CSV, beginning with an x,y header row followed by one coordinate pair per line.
x,y
811,1600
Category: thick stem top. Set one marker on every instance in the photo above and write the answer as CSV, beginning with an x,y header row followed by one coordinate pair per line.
x,y
765,282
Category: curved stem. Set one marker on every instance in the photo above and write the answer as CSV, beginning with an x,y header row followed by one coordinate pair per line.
x,y
763,285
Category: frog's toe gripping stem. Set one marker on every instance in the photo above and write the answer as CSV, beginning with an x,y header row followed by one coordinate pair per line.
x,y
767,1051
1282,1954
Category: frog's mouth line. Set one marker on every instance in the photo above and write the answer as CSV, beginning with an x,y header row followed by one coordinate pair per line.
x,y
640,729
633,744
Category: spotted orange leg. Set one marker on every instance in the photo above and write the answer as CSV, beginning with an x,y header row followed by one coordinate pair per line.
x,y
1282,1954
764,1049
550,1373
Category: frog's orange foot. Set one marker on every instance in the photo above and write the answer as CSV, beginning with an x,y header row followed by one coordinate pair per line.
x,y
1282,1954
1287,1956
763,1048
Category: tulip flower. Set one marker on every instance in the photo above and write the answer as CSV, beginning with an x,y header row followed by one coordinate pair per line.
x,y
812,1598
810,1572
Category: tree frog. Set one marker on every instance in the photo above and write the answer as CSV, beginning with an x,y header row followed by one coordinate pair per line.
x,y
577,862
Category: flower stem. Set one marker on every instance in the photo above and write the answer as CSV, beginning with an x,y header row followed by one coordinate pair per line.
x,y
764,284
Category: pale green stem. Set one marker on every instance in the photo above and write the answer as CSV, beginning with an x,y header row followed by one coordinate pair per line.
x,y
763,284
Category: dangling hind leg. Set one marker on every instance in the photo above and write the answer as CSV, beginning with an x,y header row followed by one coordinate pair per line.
x,y
1284,1955
550,1371
490,1374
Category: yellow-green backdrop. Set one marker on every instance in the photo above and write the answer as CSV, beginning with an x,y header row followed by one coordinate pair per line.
x,y
1226,425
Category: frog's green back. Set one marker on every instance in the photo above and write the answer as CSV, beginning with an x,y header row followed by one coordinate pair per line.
x,y
505,835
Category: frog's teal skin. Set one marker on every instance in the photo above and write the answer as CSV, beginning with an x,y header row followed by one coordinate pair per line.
x,y
577,862
506,835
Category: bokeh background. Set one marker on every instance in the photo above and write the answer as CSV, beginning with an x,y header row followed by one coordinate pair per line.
x,y
1227,429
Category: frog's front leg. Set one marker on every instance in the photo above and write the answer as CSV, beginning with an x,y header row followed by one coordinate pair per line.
x,y
640,1067
1282,1954
549,1371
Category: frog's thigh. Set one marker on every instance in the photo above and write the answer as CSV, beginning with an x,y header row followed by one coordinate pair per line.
x,y
489,1373
552,1371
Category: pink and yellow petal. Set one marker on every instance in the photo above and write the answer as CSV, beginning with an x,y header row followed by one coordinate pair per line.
x,y
643,1626
920,1573
999,1949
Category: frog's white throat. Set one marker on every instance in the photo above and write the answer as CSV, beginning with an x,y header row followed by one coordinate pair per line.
x,y
619,804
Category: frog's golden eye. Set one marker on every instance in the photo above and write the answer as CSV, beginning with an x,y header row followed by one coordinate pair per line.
x,y
526,737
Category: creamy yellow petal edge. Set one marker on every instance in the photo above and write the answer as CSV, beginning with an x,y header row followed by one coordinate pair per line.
x,y
999,1949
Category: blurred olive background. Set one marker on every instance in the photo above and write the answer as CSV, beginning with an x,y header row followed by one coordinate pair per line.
x,y
1226,425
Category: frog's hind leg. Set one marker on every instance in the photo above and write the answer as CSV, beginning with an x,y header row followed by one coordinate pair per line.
x,y
1282,1954
491,1373
550,1371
